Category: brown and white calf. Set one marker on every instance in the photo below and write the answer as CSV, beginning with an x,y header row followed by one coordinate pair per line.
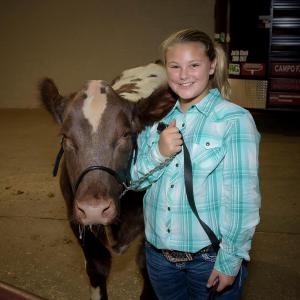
x,y
97,126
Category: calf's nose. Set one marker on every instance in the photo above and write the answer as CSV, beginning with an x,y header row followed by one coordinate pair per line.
x,y
89,211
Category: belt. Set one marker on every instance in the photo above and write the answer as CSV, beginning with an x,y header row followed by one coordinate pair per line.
x,y
180,256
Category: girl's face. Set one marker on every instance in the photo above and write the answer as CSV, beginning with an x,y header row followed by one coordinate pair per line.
x,y
188,70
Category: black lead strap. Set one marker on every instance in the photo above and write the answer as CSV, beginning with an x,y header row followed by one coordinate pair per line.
x,y
134,136
58,158
188,181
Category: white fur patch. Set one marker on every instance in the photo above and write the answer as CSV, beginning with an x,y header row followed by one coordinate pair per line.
x,y
123,249
95,103
146,86
95,293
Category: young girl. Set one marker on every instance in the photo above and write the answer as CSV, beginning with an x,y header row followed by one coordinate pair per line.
x,y
223,144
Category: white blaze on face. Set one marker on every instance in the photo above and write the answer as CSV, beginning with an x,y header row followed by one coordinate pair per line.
x,y
95,103
147,79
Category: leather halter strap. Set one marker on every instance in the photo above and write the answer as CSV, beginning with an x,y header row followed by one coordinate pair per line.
x,y
121,176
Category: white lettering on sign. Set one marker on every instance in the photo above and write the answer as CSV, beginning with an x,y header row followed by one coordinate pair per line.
x,y
239,55
288,68
244,52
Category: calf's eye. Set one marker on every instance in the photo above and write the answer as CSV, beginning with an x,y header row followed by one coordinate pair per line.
x,y
126,134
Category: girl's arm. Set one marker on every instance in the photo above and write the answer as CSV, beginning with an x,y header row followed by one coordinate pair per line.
x,y
149,160
240,203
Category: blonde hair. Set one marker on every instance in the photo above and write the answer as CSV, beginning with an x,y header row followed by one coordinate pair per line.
x,y
213,51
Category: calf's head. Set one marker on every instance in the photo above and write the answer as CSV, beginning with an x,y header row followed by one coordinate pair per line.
x,y
97,127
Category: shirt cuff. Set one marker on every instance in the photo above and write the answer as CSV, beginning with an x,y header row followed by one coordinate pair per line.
x,y
156,155
227,264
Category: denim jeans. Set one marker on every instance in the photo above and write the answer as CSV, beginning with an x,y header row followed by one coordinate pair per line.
x,y
187,280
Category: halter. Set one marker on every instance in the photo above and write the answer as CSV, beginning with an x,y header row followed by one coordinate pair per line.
x,y
122,176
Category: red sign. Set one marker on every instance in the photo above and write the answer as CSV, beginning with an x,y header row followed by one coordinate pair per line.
x,y
287,69
286,84
253,69
284,99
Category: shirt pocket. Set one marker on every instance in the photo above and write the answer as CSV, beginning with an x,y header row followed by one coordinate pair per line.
x,y
207,153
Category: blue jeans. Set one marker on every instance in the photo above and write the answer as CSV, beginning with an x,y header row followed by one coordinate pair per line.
x,y
187,280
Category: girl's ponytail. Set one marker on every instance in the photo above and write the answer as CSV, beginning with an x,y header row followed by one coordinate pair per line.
x,y
220,77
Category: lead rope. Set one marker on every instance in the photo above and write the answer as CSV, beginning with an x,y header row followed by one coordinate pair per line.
x,y
134,184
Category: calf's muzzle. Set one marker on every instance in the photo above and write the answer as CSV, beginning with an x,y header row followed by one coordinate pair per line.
x,y
92,211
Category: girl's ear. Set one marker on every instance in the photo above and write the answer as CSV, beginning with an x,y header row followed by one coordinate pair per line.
x,y
212,67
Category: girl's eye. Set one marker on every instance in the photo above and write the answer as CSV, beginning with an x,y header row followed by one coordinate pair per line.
x,y
194,66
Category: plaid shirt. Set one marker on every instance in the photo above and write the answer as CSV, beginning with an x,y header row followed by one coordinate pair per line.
x,y
223,143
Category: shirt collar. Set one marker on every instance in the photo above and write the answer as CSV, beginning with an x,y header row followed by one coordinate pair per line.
x,y
205,105
175,107
208,102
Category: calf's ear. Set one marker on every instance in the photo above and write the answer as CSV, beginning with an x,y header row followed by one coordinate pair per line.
x,y
51,99
153,108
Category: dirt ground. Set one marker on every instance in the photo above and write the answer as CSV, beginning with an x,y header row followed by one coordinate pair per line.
x,y
38,252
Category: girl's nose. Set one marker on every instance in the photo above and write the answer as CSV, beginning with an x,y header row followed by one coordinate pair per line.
x,y
183,74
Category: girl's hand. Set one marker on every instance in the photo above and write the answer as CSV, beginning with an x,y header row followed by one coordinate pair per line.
x,y
170,140
221,279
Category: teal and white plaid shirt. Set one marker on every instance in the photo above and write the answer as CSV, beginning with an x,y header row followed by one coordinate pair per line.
x,y
223,143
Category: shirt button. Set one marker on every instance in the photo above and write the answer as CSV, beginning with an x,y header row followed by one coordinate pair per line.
x,y
177,165
207,144
168,230
169,208
172,185
182,125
